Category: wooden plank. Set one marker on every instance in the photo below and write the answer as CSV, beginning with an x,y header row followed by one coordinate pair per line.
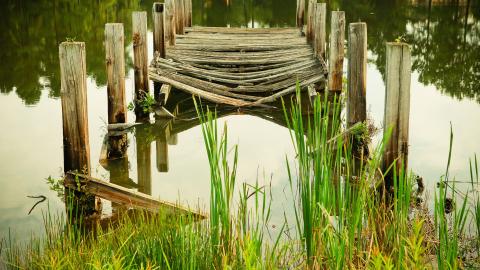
x,y
357,74
397,106
238,30
336,52
127,197
140,60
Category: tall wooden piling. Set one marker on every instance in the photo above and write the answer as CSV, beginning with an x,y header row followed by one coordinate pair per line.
x,y
320,33
170,22
140,60
187,13
159,28
397,107
76,146
117,108
300,14
310,20
336,52
115,58
357,73
179,17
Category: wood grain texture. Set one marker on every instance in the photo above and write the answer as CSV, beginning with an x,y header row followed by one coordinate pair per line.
x,y
179,16
310,20
140,59
115,59
336,52
300,18
158,14
320,31
170,36
73,92
357,73
397,103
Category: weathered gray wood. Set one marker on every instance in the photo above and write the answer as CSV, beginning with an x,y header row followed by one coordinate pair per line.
x,y
170,36
121,126
127,197
397,105
140,60
159,28
179,16
164,94
239,30
336,52
310,20
115,59
300,14
357,73
76,146
320,32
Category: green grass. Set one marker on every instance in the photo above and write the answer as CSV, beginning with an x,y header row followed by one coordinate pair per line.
x,y
341,218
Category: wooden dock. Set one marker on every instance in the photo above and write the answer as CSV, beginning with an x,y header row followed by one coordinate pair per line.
x,y
239,66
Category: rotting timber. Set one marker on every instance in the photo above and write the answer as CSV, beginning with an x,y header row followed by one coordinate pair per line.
x,y
239,66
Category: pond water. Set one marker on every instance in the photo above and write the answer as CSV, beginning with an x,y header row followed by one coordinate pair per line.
x,y
445,91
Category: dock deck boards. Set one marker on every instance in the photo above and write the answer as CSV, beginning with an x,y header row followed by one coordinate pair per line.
x,y
239,66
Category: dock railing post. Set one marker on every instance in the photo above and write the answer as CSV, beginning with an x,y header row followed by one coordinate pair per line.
x,y
115,61
357,73
336,52
310,20
397,108
158,38
76,147
300,14
170,22
140,59
320,33
179,17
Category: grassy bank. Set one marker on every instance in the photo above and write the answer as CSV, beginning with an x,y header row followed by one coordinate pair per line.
x,y
341,220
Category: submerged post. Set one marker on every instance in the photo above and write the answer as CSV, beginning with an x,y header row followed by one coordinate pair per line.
x,y
73,92
357,73
140,60
117,109
179,17
397,108
158,29
170,22
320,33
336,52
300,14
310,20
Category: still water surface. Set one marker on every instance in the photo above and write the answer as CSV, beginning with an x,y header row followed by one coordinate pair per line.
x,y
445,90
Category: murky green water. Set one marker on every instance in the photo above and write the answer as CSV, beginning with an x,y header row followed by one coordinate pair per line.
x,y
445,89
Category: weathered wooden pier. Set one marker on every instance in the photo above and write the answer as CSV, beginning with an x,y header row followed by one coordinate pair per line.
x,y
244,69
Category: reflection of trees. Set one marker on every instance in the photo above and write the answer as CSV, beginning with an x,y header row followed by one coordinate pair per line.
x,y
31,31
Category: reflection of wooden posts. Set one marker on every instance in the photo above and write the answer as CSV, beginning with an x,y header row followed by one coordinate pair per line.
x,y
140,59
144,162
117,109
320,33
336,52
76,147
170,22
162,152
173,139
310,20
158,38
357,73
187,13
179,17
397,107
300,13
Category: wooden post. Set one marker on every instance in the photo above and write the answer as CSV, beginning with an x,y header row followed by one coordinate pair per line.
x,y
162,152
76,147
117,109
300,14
170,22
144,160
397,107
158,29
179,17
187,13
320,32
357,73
336,52
140,60
310,20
